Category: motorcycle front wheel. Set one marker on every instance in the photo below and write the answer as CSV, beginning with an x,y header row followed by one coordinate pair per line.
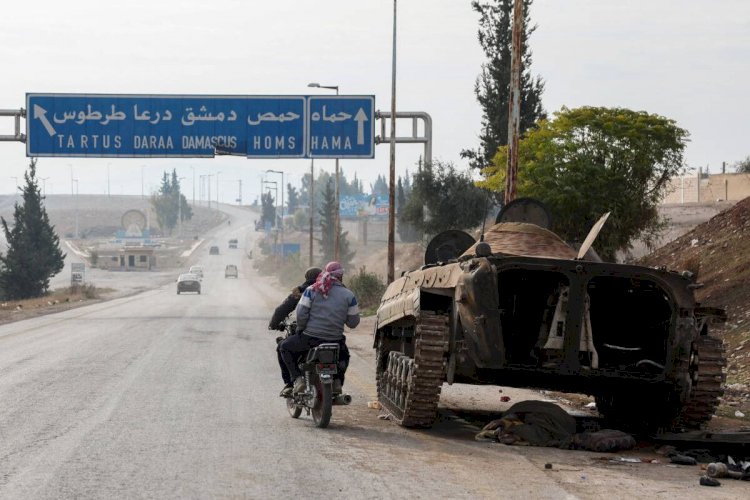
x,y
321,410
294,410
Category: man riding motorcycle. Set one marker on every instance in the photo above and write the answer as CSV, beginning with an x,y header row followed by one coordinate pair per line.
x,y
322,312
286,308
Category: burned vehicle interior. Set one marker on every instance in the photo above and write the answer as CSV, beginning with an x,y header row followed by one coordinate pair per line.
x,y
625,323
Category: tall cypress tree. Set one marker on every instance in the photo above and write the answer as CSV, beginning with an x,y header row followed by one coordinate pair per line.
x,y
34,254
492,87
327,234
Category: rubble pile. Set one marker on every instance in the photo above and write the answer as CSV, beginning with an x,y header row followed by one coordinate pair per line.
x,y
718,251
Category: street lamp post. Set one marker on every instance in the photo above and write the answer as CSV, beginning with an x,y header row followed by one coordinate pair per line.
x,y
193,169
108,195
179,211
336,220
142,181
208,188
282,208
217,189
75,201
44,185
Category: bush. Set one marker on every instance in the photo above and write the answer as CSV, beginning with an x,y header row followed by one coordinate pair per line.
x,y
368,288
289,272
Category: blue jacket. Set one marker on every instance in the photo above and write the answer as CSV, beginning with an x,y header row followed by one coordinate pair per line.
x,y
325,318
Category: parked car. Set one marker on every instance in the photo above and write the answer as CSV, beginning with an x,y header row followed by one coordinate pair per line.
x,y
214,250
231,271
233,243
196,270
188,283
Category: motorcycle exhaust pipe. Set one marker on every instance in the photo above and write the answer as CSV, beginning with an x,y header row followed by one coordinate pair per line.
x,y
342,399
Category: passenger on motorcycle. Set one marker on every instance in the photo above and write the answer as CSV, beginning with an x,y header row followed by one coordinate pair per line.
x,y
285,309
322,312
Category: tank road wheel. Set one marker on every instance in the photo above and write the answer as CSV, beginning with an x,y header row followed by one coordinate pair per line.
x,y
409,388
707,363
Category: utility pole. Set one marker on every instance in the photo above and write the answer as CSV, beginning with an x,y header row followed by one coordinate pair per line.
x,y
108,192
514,111
392,187
239,198
312,207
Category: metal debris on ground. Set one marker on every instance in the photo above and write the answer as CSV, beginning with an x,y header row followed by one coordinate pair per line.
x,y
375,405
683,460
709,481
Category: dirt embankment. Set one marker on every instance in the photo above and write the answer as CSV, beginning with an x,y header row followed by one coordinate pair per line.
x,y
719,251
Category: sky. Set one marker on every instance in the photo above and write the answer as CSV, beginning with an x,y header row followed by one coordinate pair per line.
x,y
688,60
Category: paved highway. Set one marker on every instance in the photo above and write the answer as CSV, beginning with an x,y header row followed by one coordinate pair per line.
x,y
164,396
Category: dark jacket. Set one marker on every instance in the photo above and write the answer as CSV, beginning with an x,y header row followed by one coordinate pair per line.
x,y
288,306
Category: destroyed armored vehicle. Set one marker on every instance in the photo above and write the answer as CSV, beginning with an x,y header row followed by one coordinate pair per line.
x,y
524,309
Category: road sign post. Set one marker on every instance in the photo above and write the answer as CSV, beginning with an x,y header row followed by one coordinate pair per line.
x,y
184,126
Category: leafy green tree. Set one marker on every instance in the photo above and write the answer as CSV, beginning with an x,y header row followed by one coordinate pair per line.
x,y
492,87
268,210
443,198
327,231
34,254
591,160
743,166
292,198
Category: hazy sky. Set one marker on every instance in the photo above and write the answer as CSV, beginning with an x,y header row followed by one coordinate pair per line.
x,y
688,60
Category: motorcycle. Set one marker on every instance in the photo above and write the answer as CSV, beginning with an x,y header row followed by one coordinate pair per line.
x,y
320,367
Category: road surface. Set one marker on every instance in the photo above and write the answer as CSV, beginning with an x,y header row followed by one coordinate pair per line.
x,y
159,395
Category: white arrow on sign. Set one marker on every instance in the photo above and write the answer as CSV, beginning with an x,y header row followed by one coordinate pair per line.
x,y
41,113
361,118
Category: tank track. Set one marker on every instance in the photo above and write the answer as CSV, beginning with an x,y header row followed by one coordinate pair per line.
x,y
409,388
707,374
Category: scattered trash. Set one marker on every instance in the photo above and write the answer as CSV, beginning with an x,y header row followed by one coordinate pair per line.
x,y
630,460
500,390
591,406
739,414
718,469
375,405
709,481
682,460
505,399
384,416
547,466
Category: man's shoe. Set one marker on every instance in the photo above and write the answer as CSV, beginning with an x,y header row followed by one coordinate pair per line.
x,y
299,385
286,391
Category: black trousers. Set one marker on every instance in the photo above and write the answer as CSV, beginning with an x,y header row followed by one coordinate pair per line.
x,y
292,348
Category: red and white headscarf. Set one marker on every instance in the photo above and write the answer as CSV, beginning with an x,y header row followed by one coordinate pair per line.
x,y
332,273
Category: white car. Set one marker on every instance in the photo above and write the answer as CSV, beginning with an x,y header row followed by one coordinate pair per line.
x,y
196,270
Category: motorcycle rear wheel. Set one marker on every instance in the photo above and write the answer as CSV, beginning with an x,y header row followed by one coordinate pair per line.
x,y
322,404
294,410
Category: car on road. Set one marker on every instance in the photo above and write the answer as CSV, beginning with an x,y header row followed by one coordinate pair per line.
x,y
214,250
233,243
188,283
196,270
231,271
